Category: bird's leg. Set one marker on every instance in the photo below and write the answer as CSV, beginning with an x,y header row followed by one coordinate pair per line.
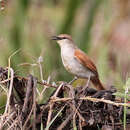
x,y
75,78
86,86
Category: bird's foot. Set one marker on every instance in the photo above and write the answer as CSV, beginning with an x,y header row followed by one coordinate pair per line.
x,y
87,84
75,78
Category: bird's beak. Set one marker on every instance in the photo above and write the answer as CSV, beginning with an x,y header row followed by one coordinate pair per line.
x,y
55,38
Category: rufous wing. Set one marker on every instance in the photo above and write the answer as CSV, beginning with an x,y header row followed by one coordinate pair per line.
x,y
85,61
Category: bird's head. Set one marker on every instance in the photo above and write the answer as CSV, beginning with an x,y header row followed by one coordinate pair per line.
x,y
63,39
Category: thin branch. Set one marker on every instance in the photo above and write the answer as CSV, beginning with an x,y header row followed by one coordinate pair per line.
x,y
54,118
48,80
9,60
10,90
91,99
29,116
52,104
34,102
40,82
14,124
58,89
49,114
4,120
28,93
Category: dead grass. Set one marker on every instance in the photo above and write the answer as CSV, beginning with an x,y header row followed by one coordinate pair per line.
x,y
79,108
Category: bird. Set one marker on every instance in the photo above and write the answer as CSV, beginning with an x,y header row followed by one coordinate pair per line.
x,y
76,61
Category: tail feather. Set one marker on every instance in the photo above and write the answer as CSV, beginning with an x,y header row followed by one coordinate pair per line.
x,y
96,82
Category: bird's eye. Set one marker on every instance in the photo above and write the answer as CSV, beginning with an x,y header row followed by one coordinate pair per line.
x,y
63,37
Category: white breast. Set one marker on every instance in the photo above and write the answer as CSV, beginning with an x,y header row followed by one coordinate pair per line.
x,y
72,64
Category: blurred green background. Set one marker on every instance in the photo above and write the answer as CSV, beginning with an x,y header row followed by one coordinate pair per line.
x,y
99,27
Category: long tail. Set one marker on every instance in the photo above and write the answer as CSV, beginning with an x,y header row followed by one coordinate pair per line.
x,y
96,82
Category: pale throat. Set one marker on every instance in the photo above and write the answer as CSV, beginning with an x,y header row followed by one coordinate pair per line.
x,y
67,49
